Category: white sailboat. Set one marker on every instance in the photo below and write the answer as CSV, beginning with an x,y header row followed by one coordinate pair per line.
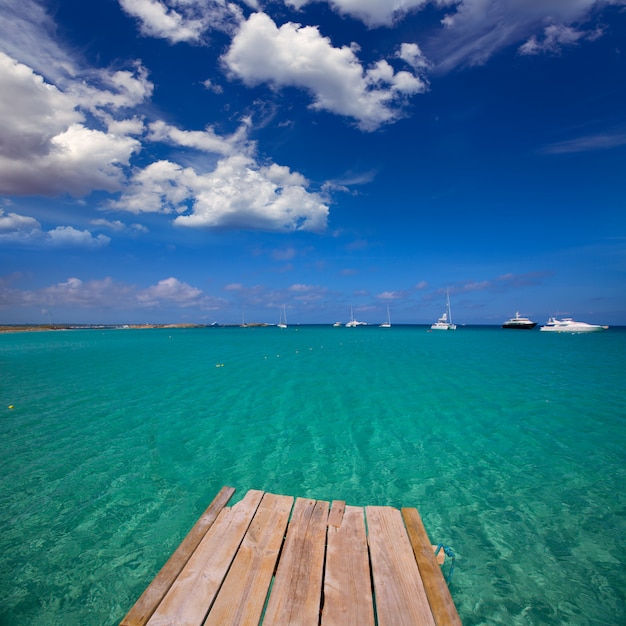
x,y
445,321
283,318
353,323
386,324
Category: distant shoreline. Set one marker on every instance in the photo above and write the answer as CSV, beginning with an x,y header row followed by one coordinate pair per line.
x,y
18,328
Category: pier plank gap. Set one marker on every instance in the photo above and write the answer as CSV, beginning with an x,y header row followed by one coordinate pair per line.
x,y
274,561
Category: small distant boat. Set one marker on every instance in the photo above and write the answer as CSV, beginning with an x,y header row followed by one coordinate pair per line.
x,y
519,322
386,324
283,318
568,325
445,321
353,323
337,324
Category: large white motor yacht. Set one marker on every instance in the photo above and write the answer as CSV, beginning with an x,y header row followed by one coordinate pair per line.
x,y
568,325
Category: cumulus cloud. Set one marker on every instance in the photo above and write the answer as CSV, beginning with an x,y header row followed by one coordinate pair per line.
x,y
412,54
25,230
299,56
45,146
14,223
237,194
70,236
171,290
181,20
75,292
108,294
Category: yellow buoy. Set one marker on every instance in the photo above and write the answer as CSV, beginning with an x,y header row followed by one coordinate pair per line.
x,y
10,406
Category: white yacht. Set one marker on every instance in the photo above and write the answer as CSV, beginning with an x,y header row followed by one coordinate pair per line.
x,y
445,321
519,322
568,325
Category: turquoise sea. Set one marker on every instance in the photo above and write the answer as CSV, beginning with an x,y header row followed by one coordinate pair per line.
x,y
512,445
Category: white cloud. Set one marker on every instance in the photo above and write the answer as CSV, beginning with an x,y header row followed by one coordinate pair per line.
x,y
412,54
74,292
476,29
14,223
299,56
70,236
161,187
157,20
237,194
45,146
25,230
31,110
27,33
555,37
392,295
182,20
171,290
371,12
115,225
105,90
108,294
208,84
206,140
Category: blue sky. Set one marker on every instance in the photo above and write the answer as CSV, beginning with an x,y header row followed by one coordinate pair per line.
x,y
202,160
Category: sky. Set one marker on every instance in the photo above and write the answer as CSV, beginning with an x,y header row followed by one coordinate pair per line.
x,y
200,161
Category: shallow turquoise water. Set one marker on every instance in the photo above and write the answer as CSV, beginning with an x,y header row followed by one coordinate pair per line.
x,y
511,444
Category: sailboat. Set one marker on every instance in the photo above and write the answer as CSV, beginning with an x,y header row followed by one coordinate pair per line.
x,y
283,318
445,321
386,324
353,322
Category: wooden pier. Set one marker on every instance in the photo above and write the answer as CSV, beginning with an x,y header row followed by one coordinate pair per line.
x,y
269,561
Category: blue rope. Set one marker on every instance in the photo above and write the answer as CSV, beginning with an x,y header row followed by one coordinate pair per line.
x,y
448,552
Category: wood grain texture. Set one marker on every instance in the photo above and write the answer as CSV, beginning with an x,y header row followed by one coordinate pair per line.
x,y
241,599
147,603
296,593
190,597
441,603
347,582
400,596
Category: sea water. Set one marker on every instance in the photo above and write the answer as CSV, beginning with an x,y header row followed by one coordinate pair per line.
x,y
512,445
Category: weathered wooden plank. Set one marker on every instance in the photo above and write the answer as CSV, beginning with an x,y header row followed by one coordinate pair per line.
x,y
400,596
441,603
297,590
190,596
149,600
336,513
347,580
242,596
